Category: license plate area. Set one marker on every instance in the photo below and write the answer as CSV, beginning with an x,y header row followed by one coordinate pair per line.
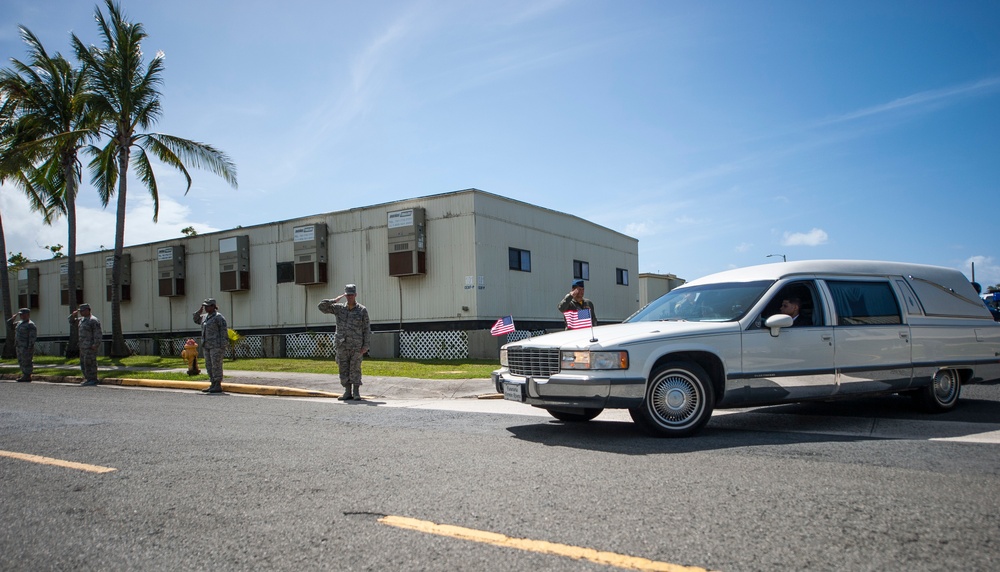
x,y
513,391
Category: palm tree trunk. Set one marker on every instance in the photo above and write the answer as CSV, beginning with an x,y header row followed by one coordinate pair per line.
x,y
118,347
9,350
69,174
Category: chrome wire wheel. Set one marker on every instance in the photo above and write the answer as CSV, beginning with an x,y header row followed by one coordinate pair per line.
x,y
679,400
945,387
676,397
942,393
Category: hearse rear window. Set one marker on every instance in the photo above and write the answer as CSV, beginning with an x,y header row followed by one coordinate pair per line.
x,y
864,303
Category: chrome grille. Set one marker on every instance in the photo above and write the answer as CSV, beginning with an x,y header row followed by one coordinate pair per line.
x,y
533,362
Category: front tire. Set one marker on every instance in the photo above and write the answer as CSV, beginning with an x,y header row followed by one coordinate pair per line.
x,y
679,401
943,392
577,416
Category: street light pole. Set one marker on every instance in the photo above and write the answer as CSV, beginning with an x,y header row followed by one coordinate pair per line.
x,y
783,259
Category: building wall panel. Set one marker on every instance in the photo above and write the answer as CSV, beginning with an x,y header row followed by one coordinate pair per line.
x,y
468,234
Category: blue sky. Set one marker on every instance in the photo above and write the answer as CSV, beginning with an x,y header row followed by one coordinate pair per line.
x,y
715,132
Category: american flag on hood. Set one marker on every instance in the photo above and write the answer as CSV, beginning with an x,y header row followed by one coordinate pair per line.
x,y
576,319
504,325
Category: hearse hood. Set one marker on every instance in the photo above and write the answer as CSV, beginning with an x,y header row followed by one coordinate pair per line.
x,y
616,336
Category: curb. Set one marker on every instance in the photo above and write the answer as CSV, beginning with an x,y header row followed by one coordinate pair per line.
x,y
245,388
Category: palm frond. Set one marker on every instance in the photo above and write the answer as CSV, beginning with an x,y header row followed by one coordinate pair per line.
x,y
37,202
46,122
198,155
103,169
145,173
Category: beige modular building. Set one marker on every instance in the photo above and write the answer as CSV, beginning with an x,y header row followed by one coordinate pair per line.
x,y
435,272
652,286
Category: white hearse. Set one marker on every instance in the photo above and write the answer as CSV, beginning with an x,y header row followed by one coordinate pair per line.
x,y
722,341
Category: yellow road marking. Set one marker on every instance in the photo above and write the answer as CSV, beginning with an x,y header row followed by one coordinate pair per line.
x,y
541,546
56,462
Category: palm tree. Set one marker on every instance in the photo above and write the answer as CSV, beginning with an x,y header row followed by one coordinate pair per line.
x,y
6,130
127,100
52,124
14,167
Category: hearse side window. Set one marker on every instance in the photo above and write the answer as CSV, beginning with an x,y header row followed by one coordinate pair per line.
x,y
864,303
810,307
912,306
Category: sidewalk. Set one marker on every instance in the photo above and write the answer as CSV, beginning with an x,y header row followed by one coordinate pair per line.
x,y
303,384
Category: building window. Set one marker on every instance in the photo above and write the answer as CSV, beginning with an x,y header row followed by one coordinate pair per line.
x,y
286,272
581,270
621,276
519,259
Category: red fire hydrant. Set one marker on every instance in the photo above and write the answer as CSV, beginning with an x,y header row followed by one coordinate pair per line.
x,y
190,355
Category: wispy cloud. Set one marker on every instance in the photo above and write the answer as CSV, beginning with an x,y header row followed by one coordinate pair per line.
x,y
95,227
929,99
640,229
357,98
814,237
537,9
803,137
688,220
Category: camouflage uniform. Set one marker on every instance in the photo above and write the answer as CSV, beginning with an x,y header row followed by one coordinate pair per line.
x,y
25,334
353,335
90,344
214,341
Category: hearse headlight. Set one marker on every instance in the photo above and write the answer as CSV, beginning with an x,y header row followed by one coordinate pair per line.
x,y
503,357
594,360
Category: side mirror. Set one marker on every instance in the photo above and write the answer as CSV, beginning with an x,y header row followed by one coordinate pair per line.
x,y
778,321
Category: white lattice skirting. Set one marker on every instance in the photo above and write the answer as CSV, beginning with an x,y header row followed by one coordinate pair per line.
x,y
519,335
309,345
434,345
412,345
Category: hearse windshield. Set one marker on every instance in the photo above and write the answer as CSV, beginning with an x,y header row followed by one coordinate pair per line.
x,y
706,303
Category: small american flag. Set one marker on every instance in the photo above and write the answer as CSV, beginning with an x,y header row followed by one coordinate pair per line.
x,y
504,325
576,319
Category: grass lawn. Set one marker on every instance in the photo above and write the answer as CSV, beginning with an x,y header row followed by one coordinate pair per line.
x,y
420,369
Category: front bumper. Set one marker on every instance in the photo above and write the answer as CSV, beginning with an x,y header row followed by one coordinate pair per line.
x,y
576,390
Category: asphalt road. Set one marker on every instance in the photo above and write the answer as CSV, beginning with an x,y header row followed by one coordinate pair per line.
x,y
238,482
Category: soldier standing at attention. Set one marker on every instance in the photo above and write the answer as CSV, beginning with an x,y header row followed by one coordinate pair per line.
x,y
25,334
214,339
353,337
90,342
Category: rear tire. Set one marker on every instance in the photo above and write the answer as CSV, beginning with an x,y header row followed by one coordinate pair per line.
x,y
577,416
679,401
943,392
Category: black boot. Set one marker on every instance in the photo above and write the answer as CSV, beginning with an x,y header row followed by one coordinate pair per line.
x,y
347,394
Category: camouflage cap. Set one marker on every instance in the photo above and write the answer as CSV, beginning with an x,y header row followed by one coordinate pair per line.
x,y
24,311
350,289
84,307
209,302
